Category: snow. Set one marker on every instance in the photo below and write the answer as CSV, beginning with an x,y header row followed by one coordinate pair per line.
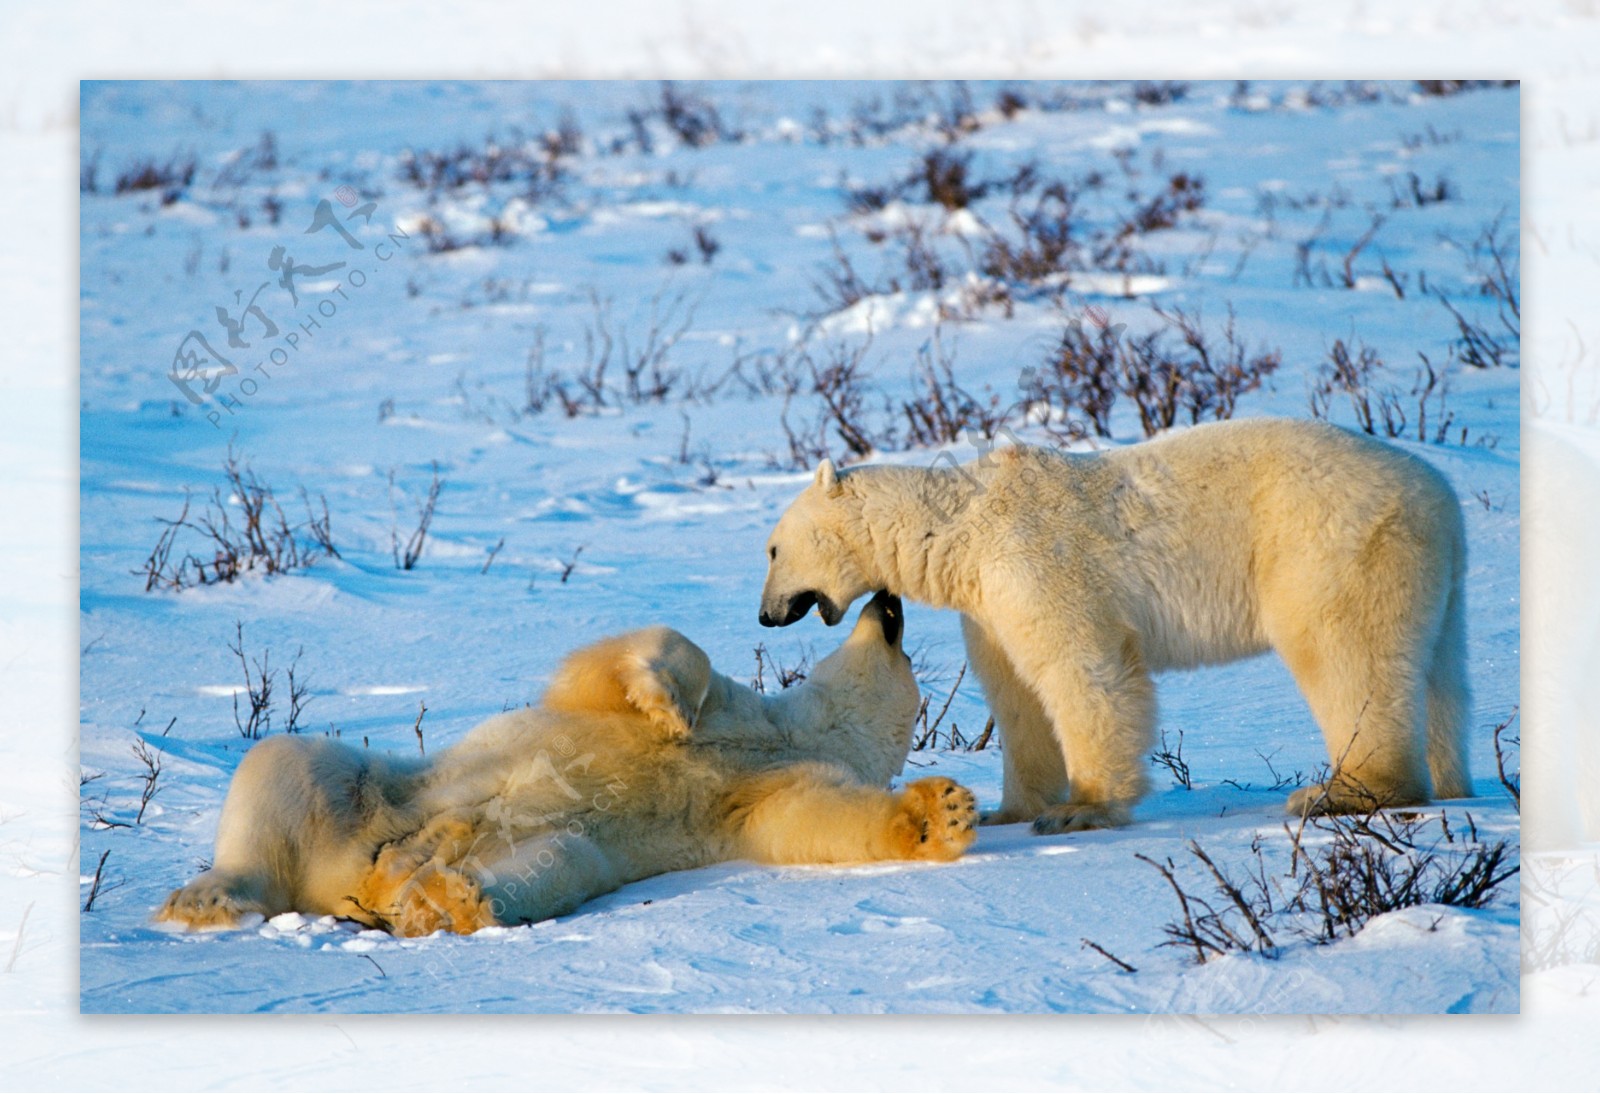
x,y
48,48
661,510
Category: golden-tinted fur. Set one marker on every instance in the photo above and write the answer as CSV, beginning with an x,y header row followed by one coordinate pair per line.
x,y
1079,575
639,760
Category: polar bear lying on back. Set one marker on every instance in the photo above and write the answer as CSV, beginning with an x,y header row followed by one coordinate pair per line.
x,y
639,760
1077,576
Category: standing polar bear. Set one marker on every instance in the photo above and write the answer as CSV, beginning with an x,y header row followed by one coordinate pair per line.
x,y
1078,575
639,760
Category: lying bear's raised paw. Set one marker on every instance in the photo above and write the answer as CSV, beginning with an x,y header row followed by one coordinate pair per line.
x,y
937,819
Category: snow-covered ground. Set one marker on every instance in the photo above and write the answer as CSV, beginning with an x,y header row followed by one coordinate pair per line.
x,y
47,48
552,530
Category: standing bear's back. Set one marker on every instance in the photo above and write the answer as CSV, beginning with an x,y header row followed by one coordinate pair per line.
x,y
1198,540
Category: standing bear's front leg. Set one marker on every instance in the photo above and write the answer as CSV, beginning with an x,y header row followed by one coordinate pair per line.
x,y
1035,775
1098,704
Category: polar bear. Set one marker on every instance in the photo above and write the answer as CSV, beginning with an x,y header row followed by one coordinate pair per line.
x,y
1078,575
639,760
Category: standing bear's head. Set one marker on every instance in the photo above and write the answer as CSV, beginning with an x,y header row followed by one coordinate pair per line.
x,y
812,556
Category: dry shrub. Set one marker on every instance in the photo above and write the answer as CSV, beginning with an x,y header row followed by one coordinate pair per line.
x,y
641,353
785,676
940,410
1446,88
1043,242
1355,370
262,540
840,381
534,165
172,176
1344,871
1079,379
405,558
1200,378
1043,239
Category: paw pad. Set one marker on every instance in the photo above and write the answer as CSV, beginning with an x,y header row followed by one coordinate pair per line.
x,y
925,802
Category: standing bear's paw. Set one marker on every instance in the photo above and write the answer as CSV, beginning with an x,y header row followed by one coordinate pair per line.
x,y
1311,801
1081,816
1344,795
1005,816
937,819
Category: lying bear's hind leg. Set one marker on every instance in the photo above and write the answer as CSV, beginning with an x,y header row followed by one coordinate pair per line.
x,y
286,820
656,672
216,900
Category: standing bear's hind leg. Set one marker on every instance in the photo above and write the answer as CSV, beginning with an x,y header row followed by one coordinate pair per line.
x,y
1361,653
1450,702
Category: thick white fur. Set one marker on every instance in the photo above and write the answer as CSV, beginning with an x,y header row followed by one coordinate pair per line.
x,y
1077,576
640,759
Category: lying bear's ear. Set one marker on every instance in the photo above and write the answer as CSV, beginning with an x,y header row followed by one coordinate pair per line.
x,y
827,478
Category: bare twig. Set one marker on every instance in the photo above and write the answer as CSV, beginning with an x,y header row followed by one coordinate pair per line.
x,y
299,694
96,888
492,552
1512,781
1108,955
930,732
1172,759
785,676
1232,892
258,688
983,738
571,564
1189,934
321,535
407,559
152,772
1360,245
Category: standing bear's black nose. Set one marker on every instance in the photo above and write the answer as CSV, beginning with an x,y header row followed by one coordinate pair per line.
x,y
792,611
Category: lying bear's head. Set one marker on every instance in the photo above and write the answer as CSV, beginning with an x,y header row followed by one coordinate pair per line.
x,y
876,638
810,559
863,695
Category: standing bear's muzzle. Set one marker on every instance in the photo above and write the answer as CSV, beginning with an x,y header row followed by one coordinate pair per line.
x,y
782,611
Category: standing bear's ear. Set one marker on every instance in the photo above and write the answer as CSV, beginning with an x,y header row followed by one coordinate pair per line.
x,y
827,479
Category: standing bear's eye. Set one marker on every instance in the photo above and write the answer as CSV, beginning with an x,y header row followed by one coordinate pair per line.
x,y
772,553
